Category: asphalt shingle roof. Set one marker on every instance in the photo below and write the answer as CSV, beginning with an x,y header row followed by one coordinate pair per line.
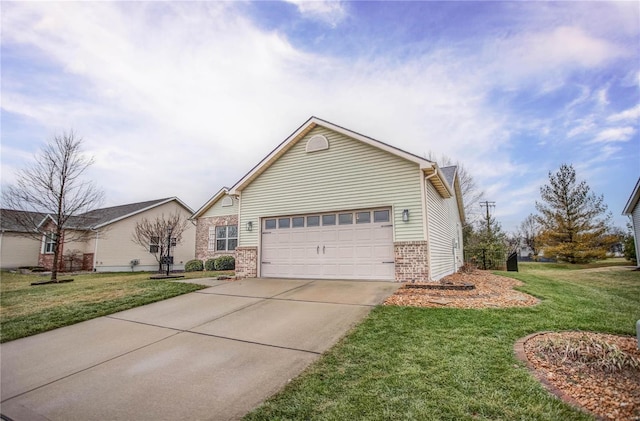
x,y
8,218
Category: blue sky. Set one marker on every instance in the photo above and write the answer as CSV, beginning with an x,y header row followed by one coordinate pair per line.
x,y
181,98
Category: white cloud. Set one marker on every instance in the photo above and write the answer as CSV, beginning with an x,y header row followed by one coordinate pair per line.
x,y
615,134
545,57
630,115
331,12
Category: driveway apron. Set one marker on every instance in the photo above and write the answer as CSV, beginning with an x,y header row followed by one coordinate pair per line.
x,y
214,354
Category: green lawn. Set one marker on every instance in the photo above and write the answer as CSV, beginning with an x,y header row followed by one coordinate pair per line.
x,y
448,364
26,310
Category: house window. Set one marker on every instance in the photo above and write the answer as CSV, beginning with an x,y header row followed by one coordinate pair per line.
x,y
297,222
154,244
212,239
226,238
313,221
270,224
49,242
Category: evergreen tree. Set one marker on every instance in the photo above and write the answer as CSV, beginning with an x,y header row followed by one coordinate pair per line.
x,y
574,220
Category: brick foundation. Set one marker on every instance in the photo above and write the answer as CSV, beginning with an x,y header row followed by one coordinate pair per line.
x,y
247,262
411,261
202,236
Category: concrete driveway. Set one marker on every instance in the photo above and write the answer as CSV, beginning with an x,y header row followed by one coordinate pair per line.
x,y
214,354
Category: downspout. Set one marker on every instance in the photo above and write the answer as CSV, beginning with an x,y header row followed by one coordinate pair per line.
x,y
426,219
95,250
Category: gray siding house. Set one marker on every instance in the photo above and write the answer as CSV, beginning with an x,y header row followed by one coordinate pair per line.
x,y
632,209
330,203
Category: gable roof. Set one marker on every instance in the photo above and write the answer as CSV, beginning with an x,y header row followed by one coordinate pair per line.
x,y
100,217
9,219
633,199
223,191
90,220
428,167
451,175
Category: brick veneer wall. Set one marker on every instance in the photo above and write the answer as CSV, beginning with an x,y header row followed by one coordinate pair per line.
x,y
247,262
202,235
411,261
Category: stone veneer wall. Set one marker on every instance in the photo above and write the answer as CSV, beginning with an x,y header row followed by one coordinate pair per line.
x,y
246,262
202,235
411,261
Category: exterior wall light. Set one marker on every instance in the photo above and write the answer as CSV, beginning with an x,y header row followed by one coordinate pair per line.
x,y
250,226
405,215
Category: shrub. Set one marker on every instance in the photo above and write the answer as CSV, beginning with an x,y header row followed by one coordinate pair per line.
x,y
193,265
225,263
210,264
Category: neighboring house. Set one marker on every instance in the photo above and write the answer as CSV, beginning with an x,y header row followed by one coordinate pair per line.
x,y
632,209
107,244
329,203
17,249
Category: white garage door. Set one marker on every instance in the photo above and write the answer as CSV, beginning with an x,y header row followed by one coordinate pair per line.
x,y
339,245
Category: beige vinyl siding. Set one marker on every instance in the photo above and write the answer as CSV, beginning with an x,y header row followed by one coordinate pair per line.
x,y
349,175
444,229
116,249
17,250
218,210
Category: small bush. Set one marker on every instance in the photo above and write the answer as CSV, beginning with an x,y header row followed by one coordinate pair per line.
x,y
225,263
210,264
193,265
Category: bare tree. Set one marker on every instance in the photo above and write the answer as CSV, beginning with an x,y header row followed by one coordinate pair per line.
x,y
152,235
53,186
529,232
471,194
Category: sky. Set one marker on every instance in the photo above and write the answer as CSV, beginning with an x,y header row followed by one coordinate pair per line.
x,y
182,98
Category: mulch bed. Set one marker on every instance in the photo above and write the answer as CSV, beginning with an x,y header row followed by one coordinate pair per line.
x,y
609,394
491,291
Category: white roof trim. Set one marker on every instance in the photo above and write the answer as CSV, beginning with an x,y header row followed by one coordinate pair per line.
x,y
633,199
303,130
171,199
210,202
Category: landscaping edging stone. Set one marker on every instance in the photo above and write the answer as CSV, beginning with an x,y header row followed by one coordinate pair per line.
x,y
61,281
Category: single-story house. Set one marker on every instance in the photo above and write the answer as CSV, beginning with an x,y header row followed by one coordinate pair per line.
x,y
330,203
106,241
632,209
16,248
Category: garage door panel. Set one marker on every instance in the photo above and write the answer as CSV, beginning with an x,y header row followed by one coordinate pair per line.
x,y
383,252
347,251
383,234
346,234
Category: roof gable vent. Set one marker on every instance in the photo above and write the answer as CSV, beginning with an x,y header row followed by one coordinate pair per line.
x,y
227,201
317,143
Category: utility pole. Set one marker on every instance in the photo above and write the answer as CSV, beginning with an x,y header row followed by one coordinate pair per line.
x,y
488,205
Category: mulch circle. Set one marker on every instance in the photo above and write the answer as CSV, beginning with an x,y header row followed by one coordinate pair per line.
x,y
605,395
